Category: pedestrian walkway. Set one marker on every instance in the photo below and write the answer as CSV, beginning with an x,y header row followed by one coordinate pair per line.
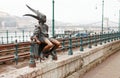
x,y
110,68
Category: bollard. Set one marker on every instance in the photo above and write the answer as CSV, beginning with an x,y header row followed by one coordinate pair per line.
x,y
81,44
89,42
16,52
95,39
70,46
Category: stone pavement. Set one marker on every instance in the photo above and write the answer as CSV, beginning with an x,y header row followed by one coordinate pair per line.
x,y
110,68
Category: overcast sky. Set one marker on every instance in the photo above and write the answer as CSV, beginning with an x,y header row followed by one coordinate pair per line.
x,y
73,11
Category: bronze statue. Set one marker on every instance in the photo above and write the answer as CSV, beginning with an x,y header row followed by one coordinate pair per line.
x,y
45,45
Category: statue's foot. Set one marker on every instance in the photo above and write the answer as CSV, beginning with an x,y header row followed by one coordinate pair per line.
x,y
46,54
54,58
36,57
42,57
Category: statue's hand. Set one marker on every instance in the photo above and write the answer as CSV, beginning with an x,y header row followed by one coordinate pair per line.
x,y
38,42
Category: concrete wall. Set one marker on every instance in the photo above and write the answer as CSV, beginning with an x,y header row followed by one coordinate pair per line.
x,y
68,66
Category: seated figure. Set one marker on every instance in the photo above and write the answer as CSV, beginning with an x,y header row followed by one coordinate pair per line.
x,y
46,45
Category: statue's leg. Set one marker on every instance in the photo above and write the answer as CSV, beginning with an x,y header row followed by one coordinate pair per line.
x,y
55,42
56,45
45,47
41,55
48,46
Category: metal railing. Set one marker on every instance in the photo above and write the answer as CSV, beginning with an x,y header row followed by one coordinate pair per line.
x,y
67,43
7,37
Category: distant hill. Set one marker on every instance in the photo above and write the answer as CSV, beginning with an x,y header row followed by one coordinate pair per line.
x,y
3,14
6,20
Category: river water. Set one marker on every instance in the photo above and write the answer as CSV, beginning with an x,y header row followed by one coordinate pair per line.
x,y
10,37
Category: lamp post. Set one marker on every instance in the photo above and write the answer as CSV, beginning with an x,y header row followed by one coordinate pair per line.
x,y
102,15
53,18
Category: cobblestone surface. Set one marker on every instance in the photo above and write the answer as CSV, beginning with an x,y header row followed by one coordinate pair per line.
x,y
110,68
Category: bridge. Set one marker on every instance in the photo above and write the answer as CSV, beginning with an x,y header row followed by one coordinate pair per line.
x,y
94,56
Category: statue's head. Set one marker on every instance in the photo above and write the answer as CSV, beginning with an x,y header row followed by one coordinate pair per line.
x,y
39,16
43,19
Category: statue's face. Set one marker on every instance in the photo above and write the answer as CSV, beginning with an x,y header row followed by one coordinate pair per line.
x,y
44,19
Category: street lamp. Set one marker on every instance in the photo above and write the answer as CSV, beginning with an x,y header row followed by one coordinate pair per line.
x,y
53,18
102,15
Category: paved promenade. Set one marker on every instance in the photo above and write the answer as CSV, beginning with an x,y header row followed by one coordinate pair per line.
x,y
110,68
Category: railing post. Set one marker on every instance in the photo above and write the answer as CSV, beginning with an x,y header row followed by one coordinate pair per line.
x,y
7,36
26,37
76,41
100,36
23,35
104,37
81,43
16,52
70,52
63,43
32,60
11,39
109,36
2,40
119,34
115,36
95,39
29,33
89,41
19,38
15,34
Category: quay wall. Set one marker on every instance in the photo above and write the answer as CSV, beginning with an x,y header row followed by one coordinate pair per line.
x,y
67,66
